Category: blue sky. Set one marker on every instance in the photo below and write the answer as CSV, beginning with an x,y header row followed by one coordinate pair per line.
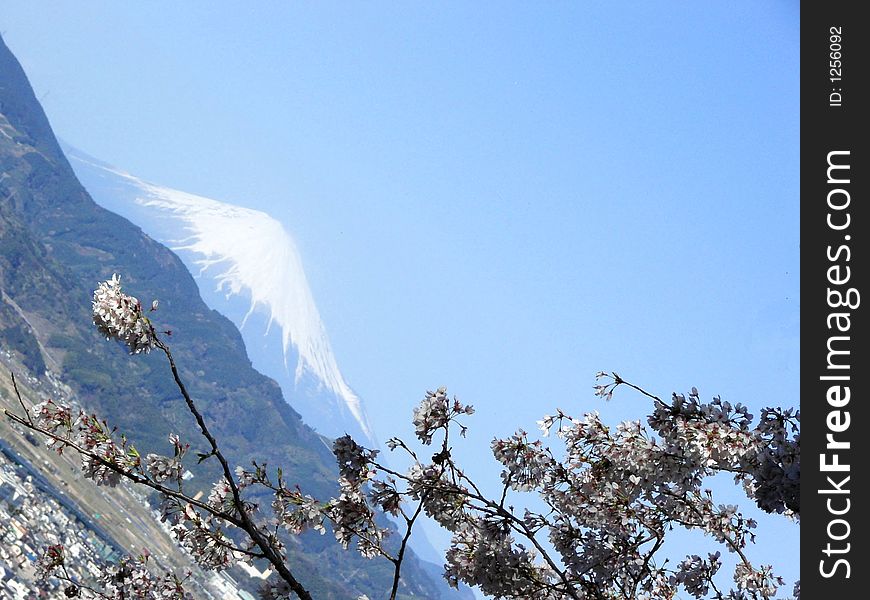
x,y
500,198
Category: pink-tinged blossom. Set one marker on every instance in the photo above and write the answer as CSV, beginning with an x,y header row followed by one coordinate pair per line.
x,y
298,512
98,471
435,411
204,540
353,518
489,557
131,579
221,498
353,459
275,589
695,574
119,316
443,500
163,468
57,419
127,580
759,583
431,414
244,478
527,463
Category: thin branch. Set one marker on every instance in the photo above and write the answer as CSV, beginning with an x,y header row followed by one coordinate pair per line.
x,y
20,400
401,555
247,523
253,554
66,577
700,525
617,380
504,491
645,570
530,535
132,476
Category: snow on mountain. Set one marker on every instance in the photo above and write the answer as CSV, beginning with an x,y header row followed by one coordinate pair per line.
x,y
243,254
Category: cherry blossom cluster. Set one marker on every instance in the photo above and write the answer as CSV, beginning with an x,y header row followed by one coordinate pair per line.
x,y
163,468
298,512
352,517
435,412
612,496
764,458
129,579
104,459
526,463
120,316
353,460
442,497
203,538
485,552
696,573
753,583
351,514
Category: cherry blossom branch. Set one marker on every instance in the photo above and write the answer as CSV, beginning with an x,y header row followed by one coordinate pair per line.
x,y
245,521
702,518
120,316
242,521
617,381
79,585
18,395
131,475
523,529
397,562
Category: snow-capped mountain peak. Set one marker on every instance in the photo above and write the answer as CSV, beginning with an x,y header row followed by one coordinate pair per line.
x,y
247,254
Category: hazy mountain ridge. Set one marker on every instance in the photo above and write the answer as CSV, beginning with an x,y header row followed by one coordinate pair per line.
x,y
55,245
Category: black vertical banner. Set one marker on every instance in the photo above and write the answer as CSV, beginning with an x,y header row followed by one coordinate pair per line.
x,y
835,364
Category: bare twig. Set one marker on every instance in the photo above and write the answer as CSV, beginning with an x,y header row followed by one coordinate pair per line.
x,y
20,400
397,562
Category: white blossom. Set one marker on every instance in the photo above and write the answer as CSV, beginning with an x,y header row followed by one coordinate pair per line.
x,y
431,414
99,469
442,499
204,540
434,412
760,583
527,463
298,512
353,459
163,468
275,589
131,578
352,517
120,316
488,557
695,573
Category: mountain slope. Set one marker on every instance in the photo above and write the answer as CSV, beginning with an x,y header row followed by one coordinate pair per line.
x,y
249,269
56,245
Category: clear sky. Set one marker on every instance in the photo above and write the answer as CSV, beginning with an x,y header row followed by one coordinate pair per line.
x,y
502,198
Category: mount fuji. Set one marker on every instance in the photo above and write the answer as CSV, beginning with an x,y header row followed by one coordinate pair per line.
x,y
248,268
